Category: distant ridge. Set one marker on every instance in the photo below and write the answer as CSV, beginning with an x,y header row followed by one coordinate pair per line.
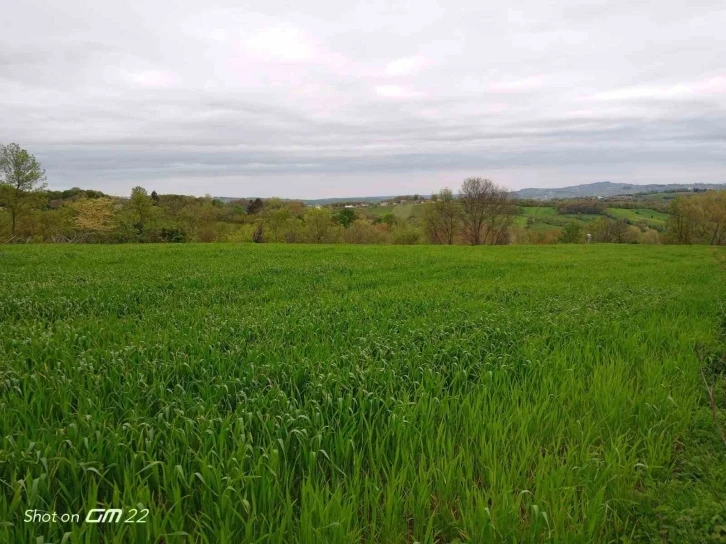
x,y
323,201
608,188
587,190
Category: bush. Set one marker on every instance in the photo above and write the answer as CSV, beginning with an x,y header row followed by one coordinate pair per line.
x,y
172,234
549,236
405,235
572,233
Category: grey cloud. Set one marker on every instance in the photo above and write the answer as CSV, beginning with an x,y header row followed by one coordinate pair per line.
x,y
374,98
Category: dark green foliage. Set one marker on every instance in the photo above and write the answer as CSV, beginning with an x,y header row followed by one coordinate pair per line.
x,y
172,235
254,206
589,206
572,233
346,216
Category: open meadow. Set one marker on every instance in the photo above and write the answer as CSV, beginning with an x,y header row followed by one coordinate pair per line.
x,y
377,394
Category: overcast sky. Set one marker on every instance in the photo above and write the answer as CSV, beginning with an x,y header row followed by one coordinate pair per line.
x,y
325,98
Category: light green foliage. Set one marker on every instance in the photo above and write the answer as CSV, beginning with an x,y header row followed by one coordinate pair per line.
x,y
540,211
20,177
377,394
572,233
318,226
140,205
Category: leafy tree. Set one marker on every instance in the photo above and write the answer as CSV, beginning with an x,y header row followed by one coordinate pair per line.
x,y
155,197
388,218
362,231
698,219
572,233
21,177
346,216
275,220
608,230
318,225
93,215
294,230
140,205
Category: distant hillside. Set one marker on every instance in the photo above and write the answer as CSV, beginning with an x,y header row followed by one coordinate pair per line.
x,y
324,201
600,188
607,188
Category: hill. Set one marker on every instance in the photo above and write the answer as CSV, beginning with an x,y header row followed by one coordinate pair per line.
x,y
586,190
317,201
608,188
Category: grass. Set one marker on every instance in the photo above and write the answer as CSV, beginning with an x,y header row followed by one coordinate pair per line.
x,y
540,212
582,217
652,218
360,394
548,218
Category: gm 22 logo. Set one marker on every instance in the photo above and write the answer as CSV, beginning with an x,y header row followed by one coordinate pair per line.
x,y
115,515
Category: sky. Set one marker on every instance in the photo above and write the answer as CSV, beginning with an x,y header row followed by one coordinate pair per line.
x,y
324,98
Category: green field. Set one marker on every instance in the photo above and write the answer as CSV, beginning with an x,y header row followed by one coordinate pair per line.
x,y
379,394
545,217
540,212
650,217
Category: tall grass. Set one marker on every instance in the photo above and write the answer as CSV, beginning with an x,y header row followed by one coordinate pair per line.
x,y
346,394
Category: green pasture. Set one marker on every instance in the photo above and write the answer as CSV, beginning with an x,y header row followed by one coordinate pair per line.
x,y
335,394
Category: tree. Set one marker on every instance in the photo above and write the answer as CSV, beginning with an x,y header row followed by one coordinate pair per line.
x,y
93,215
715,202
140,204
346,216
254,206
698,219
257,235
571,233
388,218
442,218
317,225
275,219
155,197
362,231
21,177
612,231
487,211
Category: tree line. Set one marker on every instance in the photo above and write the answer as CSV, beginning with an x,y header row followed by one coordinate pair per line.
x,y
481,212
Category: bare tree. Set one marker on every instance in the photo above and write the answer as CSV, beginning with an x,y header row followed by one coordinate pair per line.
x,y
488,211
442,218
21,177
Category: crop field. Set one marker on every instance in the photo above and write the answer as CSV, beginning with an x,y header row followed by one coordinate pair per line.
x,y
377,394
650,217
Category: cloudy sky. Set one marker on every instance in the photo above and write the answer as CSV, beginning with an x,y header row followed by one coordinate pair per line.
x,y
325,98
